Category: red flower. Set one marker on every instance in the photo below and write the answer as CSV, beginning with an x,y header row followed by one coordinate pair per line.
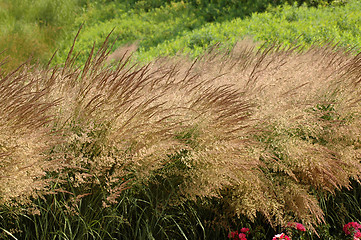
x,y
245,230
297,226
357,235
300,227
291,224
351,228
239,236
242,236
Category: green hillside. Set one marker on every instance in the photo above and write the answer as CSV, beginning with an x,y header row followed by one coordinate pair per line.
x,y
167,27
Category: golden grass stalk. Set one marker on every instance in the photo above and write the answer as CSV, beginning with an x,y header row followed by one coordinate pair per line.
x,y
307,121
24,134
260,130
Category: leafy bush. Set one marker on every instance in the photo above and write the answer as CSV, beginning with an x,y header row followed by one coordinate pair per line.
x,y
165,28
147,28
219,10
287,24
37,29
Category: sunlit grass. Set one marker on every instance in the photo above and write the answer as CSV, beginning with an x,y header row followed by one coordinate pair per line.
x,y
33,29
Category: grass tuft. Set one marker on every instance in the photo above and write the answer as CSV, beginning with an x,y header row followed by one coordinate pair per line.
x,y
262,133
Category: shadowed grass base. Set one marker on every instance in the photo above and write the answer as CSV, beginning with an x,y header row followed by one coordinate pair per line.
x,y
147,213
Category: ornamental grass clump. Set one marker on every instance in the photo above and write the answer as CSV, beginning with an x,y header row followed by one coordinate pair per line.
x,y
261,131
25,136
305,125
123,124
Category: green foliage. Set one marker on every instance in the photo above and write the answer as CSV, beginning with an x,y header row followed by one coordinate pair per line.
x,y
220,10
43,12
163,28
65,215
286,24
34,28
342,207
148,28
41,27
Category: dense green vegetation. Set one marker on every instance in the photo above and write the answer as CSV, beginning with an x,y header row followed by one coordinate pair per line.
x,y
166,27
34,28
286,24
90,150
184,26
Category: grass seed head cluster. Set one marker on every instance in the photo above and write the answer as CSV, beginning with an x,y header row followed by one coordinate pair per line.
x,y
25,116
261,130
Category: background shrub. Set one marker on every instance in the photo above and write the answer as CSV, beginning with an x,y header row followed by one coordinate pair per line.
x,y
287,24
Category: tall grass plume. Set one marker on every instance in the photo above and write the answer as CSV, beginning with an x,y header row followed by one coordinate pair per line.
x,y
261,130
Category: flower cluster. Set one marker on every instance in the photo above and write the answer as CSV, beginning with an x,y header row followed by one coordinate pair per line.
x,y
353,229
239,236
281,236
297,226
357,235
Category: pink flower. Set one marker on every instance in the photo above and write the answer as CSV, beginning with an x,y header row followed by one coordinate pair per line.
x,y
300,227
239,236
242,236
351,228
297,226
281,236
357,235
245,230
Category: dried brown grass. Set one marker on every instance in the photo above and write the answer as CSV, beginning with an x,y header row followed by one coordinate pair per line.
x,y
262,129
122,52
25,134
307,120
124,120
